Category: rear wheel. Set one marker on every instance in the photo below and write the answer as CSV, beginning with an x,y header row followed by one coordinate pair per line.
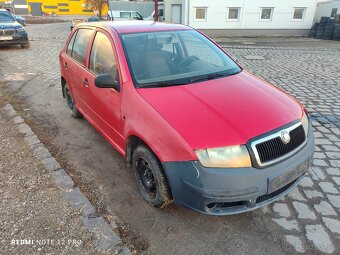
x,y
150,176
70,102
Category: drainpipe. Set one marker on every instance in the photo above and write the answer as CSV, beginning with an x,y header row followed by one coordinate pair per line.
x,y
156,10
187,2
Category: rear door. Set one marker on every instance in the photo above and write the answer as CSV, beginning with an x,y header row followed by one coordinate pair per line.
x,y
74,64
104,103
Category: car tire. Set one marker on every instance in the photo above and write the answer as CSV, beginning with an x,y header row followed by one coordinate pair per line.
x,y
26,45
151,180
70,102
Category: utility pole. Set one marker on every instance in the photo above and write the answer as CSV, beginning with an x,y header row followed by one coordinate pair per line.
x,y
156,10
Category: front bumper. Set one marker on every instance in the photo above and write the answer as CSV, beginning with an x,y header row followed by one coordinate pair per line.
x,y
222,191
18,38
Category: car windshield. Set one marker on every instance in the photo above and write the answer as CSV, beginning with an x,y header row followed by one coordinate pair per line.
x,y
171,58
5,17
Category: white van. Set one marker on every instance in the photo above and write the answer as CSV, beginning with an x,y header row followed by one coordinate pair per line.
x,y
124,15
160,13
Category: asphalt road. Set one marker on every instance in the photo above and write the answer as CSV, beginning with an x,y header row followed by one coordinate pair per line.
x,y
32,76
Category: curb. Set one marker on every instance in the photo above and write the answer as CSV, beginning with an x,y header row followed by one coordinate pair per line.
x,y
107,240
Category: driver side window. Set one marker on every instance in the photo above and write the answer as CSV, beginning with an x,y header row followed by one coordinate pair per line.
x,y
102,59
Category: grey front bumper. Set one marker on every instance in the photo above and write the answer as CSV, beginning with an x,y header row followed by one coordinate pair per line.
x,y
222,191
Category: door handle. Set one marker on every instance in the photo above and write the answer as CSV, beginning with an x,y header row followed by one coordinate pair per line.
x,y
65,65
86,82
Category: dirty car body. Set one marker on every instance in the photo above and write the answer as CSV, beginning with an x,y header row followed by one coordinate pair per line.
x,y
223,141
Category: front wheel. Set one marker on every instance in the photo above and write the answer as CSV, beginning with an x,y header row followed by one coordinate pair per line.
x,y
151,179
26,45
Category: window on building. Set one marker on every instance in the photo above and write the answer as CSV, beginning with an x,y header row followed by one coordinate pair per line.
x,y
80,45
200,13
266,13
334,11
299,13
234,13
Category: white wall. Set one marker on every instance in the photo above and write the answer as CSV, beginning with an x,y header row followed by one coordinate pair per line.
x,y
250,12
326,9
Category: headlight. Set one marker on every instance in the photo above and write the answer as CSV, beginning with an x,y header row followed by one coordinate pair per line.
x,y
305,122
232,156
21,29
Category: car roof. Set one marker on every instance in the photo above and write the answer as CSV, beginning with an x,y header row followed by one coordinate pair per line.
x,y
125,27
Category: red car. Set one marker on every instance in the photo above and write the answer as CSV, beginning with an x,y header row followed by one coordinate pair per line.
x,y
196,127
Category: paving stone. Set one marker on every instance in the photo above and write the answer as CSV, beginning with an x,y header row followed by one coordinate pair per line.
x,y
333,154
325,208
328,187
335,163
312,194
304,212
332,224
10,110
105,236
62,180
287,224
296,195
18,120
32,140
318,235
319,155
320,141
319,162
334,200
25,129
41,152
336,180
319,172
296,242
281,209
51,164
77,200
306,182
333,171
330,148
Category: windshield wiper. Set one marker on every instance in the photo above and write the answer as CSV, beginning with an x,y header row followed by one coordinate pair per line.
x,y
162,84
208,77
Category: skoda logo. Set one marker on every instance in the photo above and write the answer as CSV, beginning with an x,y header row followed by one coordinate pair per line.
x,y
285,137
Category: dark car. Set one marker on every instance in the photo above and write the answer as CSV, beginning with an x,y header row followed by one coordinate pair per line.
x,y
92,19
20,19
11,32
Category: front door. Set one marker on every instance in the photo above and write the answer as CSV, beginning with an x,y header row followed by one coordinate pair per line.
x,y
103,104
36,9
176,13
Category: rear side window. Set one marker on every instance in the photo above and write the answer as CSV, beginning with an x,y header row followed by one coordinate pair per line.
x,y
80,44
70,44
102,60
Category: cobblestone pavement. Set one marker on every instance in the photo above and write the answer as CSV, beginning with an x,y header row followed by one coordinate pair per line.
x,y
308,218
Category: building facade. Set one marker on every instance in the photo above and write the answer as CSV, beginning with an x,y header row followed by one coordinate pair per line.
x,y
49,7
237,16
327,9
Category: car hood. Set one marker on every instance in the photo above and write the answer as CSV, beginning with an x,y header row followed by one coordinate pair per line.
x,y
10,25
223,112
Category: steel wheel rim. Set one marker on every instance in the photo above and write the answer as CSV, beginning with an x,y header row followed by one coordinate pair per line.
x,y
146,177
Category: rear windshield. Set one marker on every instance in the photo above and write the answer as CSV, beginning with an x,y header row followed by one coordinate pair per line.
x,y
6,17
175,58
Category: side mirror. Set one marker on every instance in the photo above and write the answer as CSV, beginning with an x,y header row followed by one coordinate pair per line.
x,y
106,81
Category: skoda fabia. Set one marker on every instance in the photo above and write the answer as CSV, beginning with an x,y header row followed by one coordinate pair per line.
x,y
197,128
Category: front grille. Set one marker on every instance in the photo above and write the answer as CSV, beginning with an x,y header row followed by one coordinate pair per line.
x,y
274,148
7,32
266,197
